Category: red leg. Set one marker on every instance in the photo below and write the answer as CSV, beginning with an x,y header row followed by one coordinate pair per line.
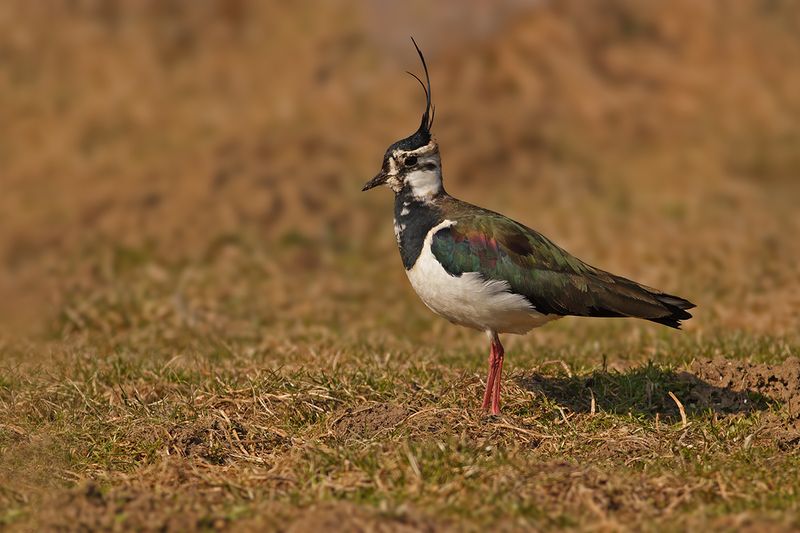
x,y
499,356
490,379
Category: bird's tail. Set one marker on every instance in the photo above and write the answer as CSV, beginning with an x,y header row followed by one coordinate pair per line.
x,y
618,296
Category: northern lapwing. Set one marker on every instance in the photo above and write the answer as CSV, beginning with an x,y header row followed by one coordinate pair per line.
x,y
480,269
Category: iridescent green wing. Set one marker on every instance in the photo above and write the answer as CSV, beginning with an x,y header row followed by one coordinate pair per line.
x,y
554,281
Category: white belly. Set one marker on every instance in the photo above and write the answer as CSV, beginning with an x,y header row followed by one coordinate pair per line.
x,y
469,300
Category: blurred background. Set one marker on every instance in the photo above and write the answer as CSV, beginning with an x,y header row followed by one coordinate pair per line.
x,y
169,165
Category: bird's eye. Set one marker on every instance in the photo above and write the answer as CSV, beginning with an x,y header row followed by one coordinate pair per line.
x,y
411,161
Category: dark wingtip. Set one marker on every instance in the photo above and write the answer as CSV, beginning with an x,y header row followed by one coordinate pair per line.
x,y
678,308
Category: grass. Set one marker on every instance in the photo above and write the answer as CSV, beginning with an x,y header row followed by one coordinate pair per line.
x,y
167,396
246,420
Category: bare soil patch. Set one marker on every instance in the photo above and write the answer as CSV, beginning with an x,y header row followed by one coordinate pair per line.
x,y
369,421
779,382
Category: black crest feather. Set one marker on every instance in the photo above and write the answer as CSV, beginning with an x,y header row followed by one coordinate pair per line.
x,y
422,136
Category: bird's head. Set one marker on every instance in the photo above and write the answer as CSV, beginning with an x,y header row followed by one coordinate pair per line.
x,y
413,164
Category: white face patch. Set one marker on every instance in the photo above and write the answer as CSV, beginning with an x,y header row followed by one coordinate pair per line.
x,y
425,184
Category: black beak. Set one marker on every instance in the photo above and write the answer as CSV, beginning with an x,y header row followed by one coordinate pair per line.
x,y
380,179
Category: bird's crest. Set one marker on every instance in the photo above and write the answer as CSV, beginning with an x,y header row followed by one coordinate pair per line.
x,y
422,136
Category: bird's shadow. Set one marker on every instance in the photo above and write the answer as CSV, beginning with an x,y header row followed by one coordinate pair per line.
x,y
643,391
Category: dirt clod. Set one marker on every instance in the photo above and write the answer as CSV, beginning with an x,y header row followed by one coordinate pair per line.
x,y
369,421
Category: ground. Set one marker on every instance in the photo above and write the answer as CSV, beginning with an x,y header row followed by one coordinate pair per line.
x,y
205,324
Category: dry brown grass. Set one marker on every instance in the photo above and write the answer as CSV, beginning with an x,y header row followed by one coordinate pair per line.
x,y
205,324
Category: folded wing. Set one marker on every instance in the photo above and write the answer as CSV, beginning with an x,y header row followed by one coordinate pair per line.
x,y
554,281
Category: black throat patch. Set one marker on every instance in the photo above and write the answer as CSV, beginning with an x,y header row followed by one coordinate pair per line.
x,y
413,220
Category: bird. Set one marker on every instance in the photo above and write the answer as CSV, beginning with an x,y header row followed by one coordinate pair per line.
x,y
480,269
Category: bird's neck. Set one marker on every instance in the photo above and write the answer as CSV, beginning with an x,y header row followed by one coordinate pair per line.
x,y
413,219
